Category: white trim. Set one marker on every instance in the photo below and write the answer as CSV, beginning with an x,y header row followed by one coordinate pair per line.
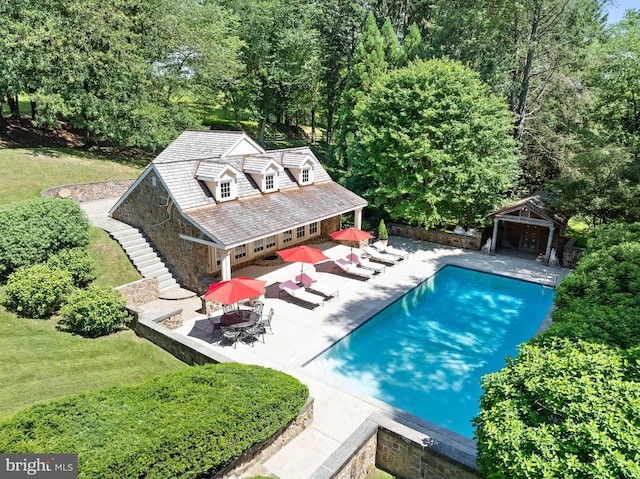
x,y
201,241
248,139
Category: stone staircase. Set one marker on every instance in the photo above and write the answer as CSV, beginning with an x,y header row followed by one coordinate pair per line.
x,y
146,260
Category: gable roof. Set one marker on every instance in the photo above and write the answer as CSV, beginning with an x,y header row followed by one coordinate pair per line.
x,y
198,156
538,204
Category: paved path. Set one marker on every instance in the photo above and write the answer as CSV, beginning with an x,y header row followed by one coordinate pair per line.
x,y
301,333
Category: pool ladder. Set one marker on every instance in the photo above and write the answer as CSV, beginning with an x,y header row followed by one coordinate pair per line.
x,y
550,280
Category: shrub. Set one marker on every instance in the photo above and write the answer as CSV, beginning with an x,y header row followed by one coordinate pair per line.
x,y
613,234
78,262
187,424
94,312
382,231
564,409
37,291
33,230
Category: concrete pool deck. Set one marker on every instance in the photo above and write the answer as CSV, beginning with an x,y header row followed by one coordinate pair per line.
x,y
301,333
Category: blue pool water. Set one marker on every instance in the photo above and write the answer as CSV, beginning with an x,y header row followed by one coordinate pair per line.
x,y
426,352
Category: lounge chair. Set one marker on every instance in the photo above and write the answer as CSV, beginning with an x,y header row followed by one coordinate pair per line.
x,y
365,263
297,292
312,285
376,255
400,253
352,269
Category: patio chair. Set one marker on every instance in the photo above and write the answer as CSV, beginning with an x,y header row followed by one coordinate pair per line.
x,y
265,323
254,332
400,253
315,287
376,255
231,334
365,263
227,308
353,270
295,291
258,307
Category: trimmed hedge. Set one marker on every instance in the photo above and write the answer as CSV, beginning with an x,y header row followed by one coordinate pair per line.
x,y
94,312
33,230
183,425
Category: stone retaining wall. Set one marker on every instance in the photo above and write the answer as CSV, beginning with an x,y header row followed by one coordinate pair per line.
x,y
140,292
571,254
473,242
89,191
408,452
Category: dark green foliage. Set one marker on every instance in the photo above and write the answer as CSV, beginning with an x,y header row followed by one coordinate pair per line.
x,y
78,262
33,230
37,291
568,406
382,231
432,146
562,410
182,425
94,312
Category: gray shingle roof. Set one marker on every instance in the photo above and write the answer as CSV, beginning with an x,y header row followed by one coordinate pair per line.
x,y
241,221
254,214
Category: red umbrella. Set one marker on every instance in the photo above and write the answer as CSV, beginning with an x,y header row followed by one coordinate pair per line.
x,y
350,234
234,290
302,254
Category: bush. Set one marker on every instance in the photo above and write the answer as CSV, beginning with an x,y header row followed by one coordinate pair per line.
x,y
94,312
613,234
382,231
78,262
33,230
187,424
569,410
37,291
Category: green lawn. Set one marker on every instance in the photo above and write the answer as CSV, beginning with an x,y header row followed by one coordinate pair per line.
x,y
37,362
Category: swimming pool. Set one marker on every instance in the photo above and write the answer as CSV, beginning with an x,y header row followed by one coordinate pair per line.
x,y
426,352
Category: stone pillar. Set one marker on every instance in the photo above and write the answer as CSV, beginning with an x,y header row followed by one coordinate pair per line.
x,y
547,253
225,263
494,237
357,218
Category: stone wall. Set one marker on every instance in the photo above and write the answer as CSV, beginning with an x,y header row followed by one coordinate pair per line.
x,y
163,225
89,191
408,452
473,242
140,292
571,254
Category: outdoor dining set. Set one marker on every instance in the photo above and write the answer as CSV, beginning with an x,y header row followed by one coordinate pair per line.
x,y
250,324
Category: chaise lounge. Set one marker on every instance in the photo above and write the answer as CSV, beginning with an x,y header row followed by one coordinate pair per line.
x,y
366,264
353,270
299,293
376,255
315,287
400,253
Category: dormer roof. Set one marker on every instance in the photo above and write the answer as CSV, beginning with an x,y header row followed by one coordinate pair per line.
x,y
260,165
297,160
214,171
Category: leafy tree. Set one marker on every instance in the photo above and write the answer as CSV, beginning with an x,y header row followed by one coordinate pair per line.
x,y
338,23
568,409
431,145
368,63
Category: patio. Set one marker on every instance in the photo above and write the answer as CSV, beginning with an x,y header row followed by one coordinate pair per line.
x,y
300,333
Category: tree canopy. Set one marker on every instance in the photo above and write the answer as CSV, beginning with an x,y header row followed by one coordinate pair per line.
x,y
432,145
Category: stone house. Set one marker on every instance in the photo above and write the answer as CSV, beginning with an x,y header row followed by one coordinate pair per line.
x,y
529,226
216,200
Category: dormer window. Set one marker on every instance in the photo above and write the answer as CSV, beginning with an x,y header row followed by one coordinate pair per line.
x,y
269,182
225,190
221,180
300,165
